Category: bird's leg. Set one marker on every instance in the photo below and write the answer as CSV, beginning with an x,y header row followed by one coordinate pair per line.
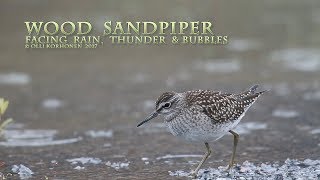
x,y
205,157
235,143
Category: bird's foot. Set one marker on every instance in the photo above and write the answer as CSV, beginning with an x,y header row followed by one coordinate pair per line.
x,y
230,166
193,174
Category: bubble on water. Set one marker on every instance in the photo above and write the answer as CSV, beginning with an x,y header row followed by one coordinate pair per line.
x,y
181,75
193,162
312,95
242,45
285,113
315,17
140,78
101,19
315,131
23,171
30,134
157,125
14,125
280,89
118,156
169,162
32,137
170,82
219,65
169,156
150,128
257,148
15,78
118,165
148,105
52,103
100,133
247,127
39,142
298,59
107,145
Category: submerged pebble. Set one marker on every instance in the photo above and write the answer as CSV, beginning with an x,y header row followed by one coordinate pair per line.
x,y
23,171
84,160
146,160
79,168
118,165
80,162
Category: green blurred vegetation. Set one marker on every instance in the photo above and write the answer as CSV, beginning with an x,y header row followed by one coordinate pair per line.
x,y
3,107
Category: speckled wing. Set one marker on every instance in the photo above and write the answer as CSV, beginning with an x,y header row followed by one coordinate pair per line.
x,y
222,107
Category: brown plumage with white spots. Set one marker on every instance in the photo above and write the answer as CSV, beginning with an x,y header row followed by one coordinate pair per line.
x,y
204,115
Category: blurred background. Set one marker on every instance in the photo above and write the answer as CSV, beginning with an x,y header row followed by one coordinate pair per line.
x,y
75,111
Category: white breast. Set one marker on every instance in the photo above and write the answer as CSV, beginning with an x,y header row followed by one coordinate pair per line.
x,y
200,130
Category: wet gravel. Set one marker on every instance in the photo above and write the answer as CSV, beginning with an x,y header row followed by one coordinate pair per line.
x,y
290,169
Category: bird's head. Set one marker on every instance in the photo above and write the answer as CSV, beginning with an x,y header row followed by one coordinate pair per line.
x,y
168,104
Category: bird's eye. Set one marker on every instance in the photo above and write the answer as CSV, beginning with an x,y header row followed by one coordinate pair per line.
x,y
166,105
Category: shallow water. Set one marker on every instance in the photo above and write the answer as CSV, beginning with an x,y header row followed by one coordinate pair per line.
x,y
71,104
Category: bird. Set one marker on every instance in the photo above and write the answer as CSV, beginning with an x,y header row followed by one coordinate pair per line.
x,y
204,116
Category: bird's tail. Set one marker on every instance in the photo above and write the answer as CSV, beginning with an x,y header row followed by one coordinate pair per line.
x,y
249,96
253,88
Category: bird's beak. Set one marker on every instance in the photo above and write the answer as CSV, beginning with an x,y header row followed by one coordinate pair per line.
x,y
151,116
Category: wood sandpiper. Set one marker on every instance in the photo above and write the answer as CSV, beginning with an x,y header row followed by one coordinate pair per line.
x,y
204,115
